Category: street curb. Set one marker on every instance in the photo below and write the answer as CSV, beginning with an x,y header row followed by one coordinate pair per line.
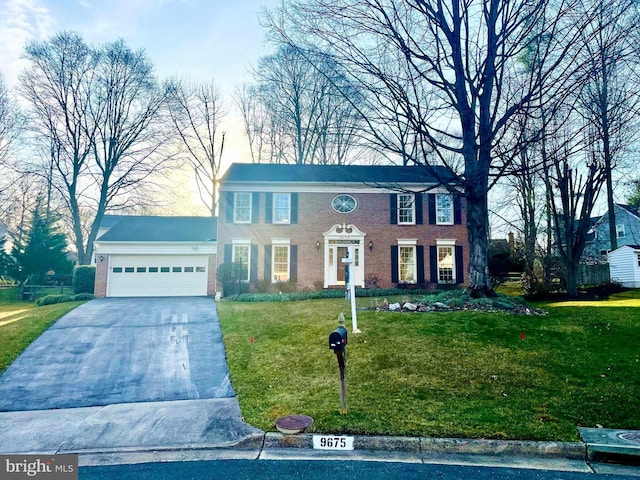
x,y
427,445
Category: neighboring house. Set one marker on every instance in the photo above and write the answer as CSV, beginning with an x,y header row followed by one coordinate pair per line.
x,y
627,231
155,256
297,222
624,265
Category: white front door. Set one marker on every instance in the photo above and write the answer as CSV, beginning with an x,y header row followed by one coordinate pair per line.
x,y
337,268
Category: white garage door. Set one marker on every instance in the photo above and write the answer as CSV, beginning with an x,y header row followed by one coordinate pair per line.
x,y
157,275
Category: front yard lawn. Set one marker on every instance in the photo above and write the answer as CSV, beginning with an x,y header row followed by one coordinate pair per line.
x,y
446,374
22,322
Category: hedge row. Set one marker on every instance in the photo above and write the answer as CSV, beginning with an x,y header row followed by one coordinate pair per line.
x,y
52,299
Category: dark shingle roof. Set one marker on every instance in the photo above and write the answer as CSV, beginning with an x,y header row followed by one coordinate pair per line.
x,y
377,174
629,208
161,229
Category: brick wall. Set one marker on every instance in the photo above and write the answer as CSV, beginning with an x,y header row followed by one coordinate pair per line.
x,y
316,216
102,271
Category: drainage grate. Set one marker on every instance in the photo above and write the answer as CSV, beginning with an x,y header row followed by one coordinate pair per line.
x,y
633,437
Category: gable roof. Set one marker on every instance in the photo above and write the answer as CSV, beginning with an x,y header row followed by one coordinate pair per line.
x,y
632,210
376,174
159,229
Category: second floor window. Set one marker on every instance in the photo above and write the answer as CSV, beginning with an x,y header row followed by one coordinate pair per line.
x,y
444,209
620,233
242,207
281,208
406,209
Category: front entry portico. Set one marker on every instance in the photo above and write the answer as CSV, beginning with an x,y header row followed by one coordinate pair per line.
x,y
339,242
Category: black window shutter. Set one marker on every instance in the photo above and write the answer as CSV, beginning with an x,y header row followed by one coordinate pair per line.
x,y
294,208
418,204
393,208
431,199
267,262
268,209
253,274
420,259
459,265
394,264
255,207
228,200
293,262
227,253
457,210
433,263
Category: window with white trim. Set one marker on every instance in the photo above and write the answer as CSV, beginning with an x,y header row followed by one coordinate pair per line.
x,y
444,209
280,262
620,232
446,264
241,258
407,264
242,207
281,208
406,209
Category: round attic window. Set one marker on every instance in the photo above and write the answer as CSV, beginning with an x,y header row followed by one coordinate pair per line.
x,y
344,203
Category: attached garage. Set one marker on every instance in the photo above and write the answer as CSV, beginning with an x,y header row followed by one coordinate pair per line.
x,y
157,257
157,275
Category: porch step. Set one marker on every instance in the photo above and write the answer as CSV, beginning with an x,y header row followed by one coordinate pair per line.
x,y
614,445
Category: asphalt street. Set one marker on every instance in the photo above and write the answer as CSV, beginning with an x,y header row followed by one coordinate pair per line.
x,y
321,469
122,350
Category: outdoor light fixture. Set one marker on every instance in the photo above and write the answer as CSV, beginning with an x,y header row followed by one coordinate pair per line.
x,y
317,245
101,258
370,245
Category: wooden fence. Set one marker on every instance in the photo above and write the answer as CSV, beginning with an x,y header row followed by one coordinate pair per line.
x,y
593,274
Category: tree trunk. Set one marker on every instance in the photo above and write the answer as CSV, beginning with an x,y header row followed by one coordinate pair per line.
x,y
478,229
572,279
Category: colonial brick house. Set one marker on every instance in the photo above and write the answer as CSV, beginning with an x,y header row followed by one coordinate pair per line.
x,y
297,222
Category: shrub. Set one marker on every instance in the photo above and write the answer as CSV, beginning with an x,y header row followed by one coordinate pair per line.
x,y
84,279
83,296
53,299
232,276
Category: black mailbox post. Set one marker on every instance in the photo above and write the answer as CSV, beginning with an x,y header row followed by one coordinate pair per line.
x,y
337,342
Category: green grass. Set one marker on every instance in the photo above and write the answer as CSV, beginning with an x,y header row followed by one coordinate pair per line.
x,y
454,374
22,322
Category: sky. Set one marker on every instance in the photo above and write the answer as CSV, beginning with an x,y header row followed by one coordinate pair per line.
x,y
196,39
201,39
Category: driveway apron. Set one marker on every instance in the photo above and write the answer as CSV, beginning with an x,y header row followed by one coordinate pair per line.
x,y
122,350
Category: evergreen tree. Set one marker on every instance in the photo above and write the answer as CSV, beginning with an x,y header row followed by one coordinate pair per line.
x,y
42,249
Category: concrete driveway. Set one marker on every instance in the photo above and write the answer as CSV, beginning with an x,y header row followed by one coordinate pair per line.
x,y
122,350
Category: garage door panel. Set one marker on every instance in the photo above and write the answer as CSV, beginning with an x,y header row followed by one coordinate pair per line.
x,y
157,276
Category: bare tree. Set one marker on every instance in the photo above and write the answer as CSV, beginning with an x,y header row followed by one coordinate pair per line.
x,y
10,123
610,101
57,85
196,112
297,112
94,109
574,175
461,57
255,120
